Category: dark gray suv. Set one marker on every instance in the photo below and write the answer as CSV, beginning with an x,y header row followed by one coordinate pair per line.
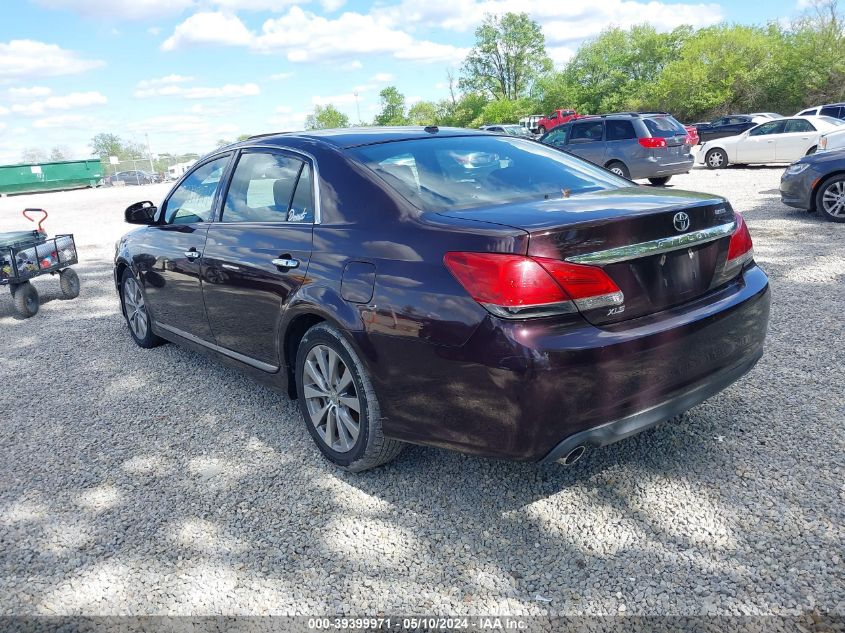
x,y
632,144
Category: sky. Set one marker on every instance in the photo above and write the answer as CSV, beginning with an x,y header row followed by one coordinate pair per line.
x,y
185,73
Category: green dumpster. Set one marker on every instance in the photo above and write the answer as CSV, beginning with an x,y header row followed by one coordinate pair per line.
x,y
62,174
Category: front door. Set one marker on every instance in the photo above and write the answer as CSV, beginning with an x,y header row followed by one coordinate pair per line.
x,y
257,255
760,145
170,265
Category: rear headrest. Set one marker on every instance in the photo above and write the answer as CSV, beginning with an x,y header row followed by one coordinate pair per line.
x,y
281,193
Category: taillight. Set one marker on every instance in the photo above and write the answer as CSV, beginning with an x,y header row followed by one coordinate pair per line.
x,y
515,286
652,142
741,249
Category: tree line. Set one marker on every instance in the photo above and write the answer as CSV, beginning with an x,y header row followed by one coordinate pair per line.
x,y
694,74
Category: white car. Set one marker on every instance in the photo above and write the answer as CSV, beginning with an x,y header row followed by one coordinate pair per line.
x,y
832,140
778,141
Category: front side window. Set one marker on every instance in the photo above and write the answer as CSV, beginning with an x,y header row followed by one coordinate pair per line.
x,y
799,125
557,136
465,172
264,189
193,200
772,127
586,132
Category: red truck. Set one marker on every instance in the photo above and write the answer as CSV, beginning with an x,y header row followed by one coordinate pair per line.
x,y
558,117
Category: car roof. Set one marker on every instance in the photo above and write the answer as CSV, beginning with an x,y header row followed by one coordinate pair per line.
x,y
354,137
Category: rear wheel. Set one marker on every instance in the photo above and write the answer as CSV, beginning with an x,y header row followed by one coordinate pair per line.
x,y
135,312
338,403
830,198
619,169
69,283
716,159
659,182
26,300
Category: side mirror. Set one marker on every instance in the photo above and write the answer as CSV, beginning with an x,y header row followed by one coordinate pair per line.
x,y
141,213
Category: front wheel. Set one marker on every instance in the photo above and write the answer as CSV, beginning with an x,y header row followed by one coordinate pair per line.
x,y
830,198
338,403
716,159
135,312
659,182
26,300
69,283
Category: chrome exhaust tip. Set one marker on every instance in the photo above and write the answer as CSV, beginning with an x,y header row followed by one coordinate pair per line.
x,y
573,456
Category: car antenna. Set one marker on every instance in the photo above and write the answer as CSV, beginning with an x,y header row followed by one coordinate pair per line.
x,y
431,129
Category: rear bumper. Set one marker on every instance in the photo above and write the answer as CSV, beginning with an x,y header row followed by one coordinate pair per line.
x,y
628,426
655,167
528,389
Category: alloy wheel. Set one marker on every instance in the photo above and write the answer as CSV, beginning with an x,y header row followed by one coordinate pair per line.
x,y
833,199
715,159
136,310
331,398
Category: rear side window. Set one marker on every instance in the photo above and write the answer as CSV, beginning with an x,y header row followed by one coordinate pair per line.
x,y
586,132
620,130
465,172
263,187
799,125
664,127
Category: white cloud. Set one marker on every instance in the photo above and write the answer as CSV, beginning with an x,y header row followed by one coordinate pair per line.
x,y
209,28
280,76
288,121
382,78
120,9
4,111
304,37
2,126
332,5
33,92
170,89
154,30
31,59
65,121
353,65
334,99
70,101
560,54
164,81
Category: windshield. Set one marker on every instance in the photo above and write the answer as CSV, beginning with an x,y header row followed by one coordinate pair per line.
x,y
463,172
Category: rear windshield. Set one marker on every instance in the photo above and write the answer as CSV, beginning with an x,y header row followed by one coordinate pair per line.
x,y
463,172
664,126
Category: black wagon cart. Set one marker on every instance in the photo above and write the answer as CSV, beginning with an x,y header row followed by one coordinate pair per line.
x,y
28,254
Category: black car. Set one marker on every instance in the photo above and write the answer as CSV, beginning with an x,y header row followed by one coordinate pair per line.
x,y
730,125
448,287
132,177
816,183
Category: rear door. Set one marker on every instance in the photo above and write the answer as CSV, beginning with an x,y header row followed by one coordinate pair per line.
x,y
622,144
257,254
760,145
798,136
586,139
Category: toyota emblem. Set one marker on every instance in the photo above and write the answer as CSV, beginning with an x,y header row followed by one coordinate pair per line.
x,y
681,221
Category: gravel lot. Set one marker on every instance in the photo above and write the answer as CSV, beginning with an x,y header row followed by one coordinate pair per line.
x,y
159,482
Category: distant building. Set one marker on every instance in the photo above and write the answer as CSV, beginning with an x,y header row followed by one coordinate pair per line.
x,y
179,169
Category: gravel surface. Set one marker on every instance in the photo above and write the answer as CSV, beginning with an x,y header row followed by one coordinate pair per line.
x,y
159,482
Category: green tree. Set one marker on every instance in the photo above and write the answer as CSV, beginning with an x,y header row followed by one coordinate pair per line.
x,y
326,117
423,113
105,145
508,56
462,113
392,108
504,111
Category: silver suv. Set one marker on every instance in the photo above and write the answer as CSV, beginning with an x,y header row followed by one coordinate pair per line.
x,y
650,145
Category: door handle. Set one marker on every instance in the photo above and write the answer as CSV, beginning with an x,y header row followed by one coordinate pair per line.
x,y
192,254
286,262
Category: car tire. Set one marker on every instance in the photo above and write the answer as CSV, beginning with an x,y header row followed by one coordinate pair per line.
x,y
618,168
69,283
331,382
660,182
830,198
135,312
26,300
812,150
716,159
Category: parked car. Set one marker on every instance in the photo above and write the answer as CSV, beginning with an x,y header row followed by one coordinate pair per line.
x,y
835,110
830,141
817,183
632,145
132,177
692,135
530,122
762,117
558,117
527,308
778,141
509,129
730,125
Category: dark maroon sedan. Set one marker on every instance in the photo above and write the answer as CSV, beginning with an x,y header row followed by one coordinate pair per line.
x,y
454,288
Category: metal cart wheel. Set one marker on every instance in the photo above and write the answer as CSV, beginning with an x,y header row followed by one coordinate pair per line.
x,y
26,299
69,283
